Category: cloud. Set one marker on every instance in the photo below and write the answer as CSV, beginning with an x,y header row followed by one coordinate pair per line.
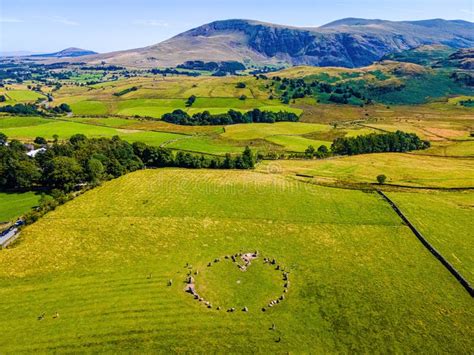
x,y
469,12
151,23
10,20
63,21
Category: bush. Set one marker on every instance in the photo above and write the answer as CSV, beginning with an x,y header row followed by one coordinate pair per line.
x,y
40,141
191,100
381,179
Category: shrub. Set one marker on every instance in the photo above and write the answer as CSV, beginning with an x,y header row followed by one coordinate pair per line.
x,y
381,179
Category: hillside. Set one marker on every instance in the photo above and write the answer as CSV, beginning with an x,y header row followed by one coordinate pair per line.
x,y
99,268
346,43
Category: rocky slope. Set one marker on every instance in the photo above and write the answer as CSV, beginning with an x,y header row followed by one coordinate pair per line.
x,y
347,43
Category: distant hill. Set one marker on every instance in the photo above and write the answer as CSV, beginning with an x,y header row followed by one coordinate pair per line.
x,y
437,56
424,55
348,42
66,53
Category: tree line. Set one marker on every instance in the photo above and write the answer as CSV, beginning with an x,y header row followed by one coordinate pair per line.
x,y
33,110
379,143
88,161
181,117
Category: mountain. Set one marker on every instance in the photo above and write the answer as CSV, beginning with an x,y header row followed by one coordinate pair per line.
x,y
66,53
348,42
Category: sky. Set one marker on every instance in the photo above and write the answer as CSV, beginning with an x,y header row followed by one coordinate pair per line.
x,y
109,25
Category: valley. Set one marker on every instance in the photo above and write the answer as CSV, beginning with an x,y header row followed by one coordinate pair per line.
x,y
144,181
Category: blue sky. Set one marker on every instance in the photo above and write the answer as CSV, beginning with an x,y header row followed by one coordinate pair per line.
x,y
107,25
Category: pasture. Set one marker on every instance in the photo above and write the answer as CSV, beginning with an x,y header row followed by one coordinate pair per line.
x,y
401,169
65,129
20,96
445,219
154,97
99,267
13,205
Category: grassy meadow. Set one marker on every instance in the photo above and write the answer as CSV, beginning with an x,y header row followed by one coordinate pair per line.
x,y
13,205
47,128
157,96
445,219
410,170
99,267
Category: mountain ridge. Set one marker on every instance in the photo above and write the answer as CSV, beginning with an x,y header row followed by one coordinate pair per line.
x,y
349,42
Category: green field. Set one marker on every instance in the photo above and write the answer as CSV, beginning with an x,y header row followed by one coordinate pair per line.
x,y
453,149
400,169
65,129
13,205
103,261
203,144
21,96
296,143
263,130
89,107
445,219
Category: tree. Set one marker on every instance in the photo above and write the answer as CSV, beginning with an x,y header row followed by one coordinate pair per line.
x,y
40,141
241,85
95,169
309,152
3,98
381,179
65,108
322,152
248,159
3,139
243,97
76,139
191,100
323,149
63,172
